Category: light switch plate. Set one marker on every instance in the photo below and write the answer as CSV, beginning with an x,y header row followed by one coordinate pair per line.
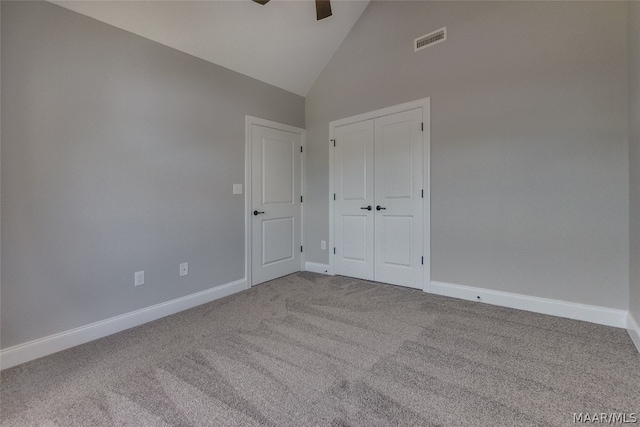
x,y
237,188
138,278
184,269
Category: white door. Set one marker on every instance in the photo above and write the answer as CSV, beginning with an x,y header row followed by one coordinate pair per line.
x,y
378,164
398,198
275,205
354,214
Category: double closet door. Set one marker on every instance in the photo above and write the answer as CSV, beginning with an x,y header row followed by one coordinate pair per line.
x,y
378,208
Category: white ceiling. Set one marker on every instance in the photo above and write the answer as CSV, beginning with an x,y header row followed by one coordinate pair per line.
x,y
280,43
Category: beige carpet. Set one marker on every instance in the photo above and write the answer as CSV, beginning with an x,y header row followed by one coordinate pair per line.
x,y
309,349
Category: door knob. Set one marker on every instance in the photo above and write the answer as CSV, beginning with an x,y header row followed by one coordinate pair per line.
x,y
367,208
257,212
379,208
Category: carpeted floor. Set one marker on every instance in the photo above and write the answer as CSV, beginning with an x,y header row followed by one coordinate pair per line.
x,y
308,349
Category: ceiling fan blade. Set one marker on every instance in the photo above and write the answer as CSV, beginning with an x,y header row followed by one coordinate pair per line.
x,y
262,2
323,9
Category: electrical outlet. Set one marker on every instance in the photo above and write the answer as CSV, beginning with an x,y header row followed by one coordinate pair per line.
x,y
184,269
237,188
138,278
323,245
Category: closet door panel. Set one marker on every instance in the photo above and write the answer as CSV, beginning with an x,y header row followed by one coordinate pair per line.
x,y
398,198
353,213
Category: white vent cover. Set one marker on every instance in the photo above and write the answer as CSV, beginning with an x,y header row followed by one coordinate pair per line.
x,y
430,39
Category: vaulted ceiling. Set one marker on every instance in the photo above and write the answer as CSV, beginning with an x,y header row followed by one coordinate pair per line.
x,y
280,43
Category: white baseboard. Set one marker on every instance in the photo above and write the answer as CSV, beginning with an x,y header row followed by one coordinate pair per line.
x,y
316,267
35,349
588,313
634,330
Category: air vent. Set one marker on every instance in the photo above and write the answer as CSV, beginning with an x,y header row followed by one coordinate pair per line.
x,y
430,39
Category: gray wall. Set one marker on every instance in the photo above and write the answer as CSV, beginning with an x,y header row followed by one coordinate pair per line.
x,y
118,155
529,155
634,157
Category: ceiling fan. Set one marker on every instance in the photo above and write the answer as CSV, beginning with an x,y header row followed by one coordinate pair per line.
x,y
323,8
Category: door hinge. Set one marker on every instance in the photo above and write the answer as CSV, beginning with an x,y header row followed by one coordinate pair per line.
x,y
334,142
300,248
422,260
422,127
334,250
301,148
423,194
334,196
300,199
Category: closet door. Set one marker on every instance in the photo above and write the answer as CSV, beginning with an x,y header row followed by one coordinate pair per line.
x,y
354,207
398,199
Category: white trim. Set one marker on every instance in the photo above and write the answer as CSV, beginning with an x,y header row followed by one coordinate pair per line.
x,y
426,173
247,199
571,310
316,267
380,113
331,243
249,121
35,349
634,330
425,104
303,183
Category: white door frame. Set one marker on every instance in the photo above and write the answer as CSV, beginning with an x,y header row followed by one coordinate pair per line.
x,y
250,121
425,104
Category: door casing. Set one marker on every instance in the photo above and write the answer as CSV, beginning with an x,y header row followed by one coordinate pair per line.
x,y
248,175
425,104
